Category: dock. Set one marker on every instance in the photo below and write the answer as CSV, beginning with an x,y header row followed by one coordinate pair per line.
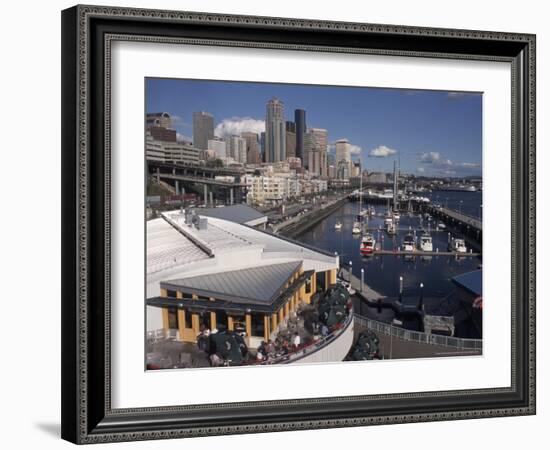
x,y
422,253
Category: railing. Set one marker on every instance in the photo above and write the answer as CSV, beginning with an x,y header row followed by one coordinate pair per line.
x,y
416,336
312,348
459,215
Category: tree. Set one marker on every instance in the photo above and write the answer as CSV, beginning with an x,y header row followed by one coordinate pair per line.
x,y
214,163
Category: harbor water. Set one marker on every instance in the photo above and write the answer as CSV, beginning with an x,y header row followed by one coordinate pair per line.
x,y
382,273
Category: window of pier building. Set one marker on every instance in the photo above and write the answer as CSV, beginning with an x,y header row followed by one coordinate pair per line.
x,y
258,327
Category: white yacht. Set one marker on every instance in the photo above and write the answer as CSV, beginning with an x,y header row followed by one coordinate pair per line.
x,y
367,244
457,245
338,226
356,228
425,243
408,243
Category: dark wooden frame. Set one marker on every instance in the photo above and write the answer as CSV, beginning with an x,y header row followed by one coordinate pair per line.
x,y
87,31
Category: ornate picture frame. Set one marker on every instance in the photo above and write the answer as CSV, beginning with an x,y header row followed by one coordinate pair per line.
x,y
87,35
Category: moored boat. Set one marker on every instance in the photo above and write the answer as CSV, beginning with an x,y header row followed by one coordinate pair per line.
x,y
338,226
457,245
408,243
367,244
425,243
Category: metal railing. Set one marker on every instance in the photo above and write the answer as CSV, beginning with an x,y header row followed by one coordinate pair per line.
x,y
417,336
313,347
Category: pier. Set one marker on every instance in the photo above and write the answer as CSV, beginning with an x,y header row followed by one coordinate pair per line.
x,y
299,224
397,342
422,253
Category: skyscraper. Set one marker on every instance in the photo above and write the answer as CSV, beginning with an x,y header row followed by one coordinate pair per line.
x,y
275,135
300,121
236,148
321,143
343,153
311,153
203,129
262,147
290,139
252,147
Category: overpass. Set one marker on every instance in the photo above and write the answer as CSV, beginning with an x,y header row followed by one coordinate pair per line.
x,y
192,176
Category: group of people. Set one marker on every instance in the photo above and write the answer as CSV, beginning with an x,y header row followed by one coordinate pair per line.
x,y
280,347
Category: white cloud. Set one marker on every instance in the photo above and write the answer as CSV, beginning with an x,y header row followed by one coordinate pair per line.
x,y
429,157
183,137
238,125
355,149
468,165
382,152
420,169
447,172
178,122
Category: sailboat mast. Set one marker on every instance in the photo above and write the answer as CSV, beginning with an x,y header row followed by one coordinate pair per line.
x,y
360,187
394,186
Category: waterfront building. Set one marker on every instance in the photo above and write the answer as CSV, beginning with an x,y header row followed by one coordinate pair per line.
x,y
210,273
290,139
203,129
239,213
219,146
266,189
301,127
252,147
377,177
331,171
275,133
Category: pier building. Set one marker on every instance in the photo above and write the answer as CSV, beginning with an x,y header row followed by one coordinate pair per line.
x,y
207,272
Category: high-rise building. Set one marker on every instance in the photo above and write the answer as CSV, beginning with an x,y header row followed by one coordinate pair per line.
x,y
159,125
252,147
300,121
321,143
290,139
236,148
161,119
203,129
342,170
219,146
275,135
262,146
343,153
311,153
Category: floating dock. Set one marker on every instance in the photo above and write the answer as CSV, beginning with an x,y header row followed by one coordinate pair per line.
x,y
422,253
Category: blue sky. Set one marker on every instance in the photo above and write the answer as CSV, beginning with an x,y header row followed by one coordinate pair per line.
x,y
431,132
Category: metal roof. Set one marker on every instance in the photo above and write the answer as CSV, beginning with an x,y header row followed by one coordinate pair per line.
x,y
235,213
470,281
262,284
167,247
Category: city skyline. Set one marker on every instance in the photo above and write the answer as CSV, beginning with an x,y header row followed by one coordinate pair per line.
x,y
432,133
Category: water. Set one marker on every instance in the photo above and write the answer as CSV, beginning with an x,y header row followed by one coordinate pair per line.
x,y
382,272
467,202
